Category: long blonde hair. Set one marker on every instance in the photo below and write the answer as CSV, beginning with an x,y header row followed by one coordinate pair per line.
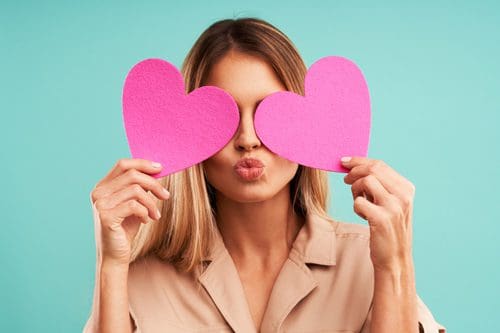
x,y
187,226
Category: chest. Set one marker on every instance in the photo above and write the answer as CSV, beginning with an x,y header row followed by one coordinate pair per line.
x,y
226,298
257,286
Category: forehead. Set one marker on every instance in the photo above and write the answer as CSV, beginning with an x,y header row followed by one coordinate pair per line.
x,y
247,78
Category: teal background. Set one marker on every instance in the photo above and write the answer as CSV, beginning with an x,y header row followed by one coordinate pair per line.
x,y
433,73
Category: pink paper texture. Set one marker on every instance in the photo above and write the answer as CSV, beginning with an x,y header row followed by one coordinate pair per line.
x,y
165,125
332,119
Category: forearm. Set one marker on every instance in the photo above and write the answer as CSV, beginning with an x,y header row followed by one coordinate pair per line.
x,y
395,300
112,308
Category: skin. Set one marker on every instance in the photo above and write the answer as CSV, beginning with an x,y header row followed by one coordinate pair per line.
x,y
121,204
385,199
257,221
256,218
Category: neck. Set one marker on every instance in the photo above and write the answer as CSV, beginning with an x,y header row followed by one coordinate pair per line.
x,y
262,231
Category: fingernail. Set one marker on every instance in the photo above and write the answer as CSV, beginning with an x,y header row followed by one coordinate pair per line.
x,y
156,165
166,191
158,213
345,159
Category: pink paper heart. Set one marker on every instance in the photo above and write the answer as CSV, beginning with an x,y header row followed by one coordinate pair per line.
x,y
164,124
332,119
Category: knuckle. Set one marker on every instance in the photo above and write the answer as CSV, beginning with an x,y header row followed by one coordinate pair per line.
x,y
94,195
372,168
133,205
368,179
375,166
356,207
143,212
137,189
406,200
159,187
392,201
134,175
120,164
354,190
412,187
98,204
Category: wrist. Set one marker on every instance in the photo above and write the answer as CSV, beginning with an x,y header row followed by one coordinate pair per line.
x,y
399,277
402,263
112,266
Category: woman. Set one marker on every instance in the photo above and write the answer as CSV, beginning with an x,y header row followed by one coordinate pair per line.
x,y
244,242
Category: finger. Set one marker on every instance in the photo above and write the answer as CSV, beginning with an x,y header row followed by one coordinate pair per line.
x,y
393,182
350,162
372,188
125,164
133,176
367,210
134,191
116,215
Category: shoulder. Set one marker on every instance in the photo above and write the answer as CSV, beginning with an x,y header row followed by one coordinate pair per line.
x,y
153,269
342,242
147,267
351,230
347,282
341,229
321,232
150,272
351,243
150,277
144,265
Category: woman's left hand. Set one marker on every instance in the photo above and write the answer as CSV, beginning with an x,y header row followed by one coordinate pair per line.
x,y
385,199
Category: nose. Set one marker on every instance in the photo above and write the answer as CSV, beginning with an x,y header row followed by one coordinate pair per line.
x,y
246,138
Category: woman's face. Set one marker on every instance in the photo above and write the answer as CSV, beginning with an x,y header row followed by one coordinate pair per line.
x,y
248,79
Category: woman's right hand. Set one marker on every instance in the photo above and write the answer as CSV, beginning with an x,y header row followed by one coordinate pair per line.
x,y
122,203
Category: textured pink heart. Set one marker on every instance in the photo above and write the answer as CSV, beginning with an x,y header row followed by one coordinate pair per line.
x,y
332,119
164,124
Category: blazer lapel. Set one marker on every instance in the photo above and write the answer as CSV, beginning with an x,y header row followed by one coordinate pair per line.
x,y
292,285
315,244
222,282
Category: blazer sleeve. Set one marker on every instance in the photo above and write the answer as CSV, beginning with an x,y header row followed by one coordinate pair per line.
x,y
426,321
90,325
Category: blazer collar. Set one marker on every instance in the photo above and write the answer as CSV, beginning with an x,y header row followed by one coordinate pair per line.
x,y
314,244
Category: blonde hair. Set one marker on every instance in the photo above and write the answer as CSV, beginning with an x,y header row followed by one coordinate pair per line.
x,y
186,229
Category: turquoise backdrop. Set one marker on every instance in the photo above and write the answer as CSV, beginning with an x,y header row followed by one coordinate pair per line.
x,y
433,72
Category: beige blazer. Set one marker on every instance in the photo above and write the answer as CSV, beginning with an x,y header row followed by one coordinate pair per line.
x,y
326,285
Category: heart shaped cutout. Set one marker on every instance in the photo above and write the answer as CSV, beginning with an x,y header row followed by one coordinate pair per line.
x,y
164,124
332,119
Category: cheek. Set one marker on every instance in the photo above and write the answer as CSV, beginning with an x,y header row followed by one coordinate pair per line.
x,y
283,171
216,167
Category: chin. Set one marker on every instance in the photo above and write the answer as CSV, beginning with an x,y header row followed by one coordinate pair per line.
x,y
244,194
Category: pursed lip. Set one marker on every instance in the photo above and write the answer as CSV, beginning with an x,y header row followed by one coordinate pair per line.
x,y
249,162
